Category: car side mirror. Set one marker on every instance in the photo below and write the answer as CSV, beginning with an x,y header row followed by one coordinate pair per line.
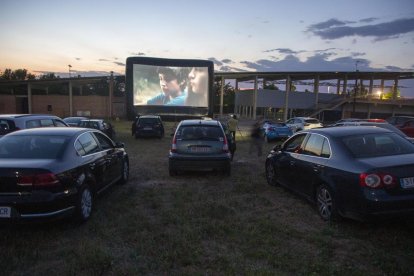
x,y
119,145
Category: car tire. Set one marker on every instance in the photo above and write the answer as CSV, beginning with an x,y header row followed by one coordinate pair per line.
x,y
270,173
84,203
326,203
124,172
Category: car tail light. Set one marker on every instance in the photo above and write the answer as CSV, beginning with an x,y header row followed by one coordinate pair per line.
x,y
174,145
377,180
225,145
38,180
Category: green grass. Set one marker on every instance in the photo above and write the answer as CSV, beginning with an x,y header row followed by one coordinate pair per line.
x,y
204,223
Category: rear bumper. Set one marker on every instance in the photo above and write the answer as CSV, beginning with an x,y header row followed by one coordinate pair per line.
x,y
148,133
199,164
39,205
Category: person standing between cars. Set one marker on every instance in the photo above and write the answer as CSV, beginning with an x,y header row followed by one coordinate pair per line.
x,y
232,124
197,94
172,92
256,139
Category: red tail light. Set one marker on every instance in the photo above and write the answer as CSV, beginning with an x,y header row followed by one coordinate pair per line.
x,y
377,180
174,145
225,145
38,180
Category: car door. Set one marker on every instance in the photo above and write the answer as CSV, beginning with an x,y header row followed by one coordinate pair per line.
x,y
112,156
286,162
310,164
93,158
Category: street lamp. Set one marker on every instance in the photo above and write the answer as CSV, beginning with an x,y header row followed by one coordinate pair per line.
x,y
70,66
379,92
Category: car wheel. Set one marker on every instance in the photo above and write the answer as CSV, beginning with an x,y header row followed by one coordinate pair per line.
x,y
326,203
270,173
124,172
84,203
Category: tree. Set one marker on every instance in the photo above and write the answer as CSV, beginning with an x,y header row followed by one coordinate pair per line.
x,y
270,86
18,74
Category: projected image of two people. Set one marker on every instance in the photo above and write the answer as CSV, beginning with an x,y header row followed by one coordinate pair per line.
x,y
170,86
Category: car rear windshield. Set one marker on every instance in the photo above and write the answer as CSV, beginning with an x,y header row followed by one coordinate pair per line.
x,y
200,133
32,147
312,121
148,120
379,144
6,126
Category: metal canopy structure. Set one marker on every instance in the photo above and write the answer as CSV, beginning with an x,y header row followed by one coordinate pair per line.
x,y
289,77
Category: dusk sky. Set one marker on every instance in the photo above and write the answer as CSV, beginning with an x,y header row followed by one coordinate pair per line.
x,y
96,37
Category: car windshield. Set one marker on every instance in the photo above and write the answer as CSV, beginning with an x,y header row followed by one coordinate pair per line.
x,y
32,147
379,144
200,133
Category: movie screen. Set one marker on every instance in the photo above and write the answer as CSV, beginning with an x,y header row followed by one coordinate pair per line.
x,y
170,86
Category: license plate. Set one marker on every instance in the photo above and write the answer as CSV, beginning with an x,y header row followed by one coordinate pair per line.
x,y
200,149
5,212
407,183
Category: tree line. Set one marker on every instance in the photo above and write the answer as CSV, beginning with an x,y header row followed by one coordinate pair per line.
x,y
23,74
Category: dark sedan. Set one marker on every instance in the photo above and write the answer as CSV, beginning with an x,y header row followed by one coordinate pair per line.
x,y
55,172
356,172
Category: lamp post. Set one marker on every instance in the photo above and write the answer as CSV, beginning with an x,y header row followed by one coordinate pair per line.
x,y
70,66
355,88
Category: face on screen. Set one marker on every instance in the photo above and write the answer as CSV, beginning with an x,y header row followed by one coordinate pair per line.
x,y
170,86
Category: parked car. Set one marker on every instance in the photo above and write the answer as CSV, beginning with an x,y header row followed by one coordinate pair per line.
x,y
356,172
199,145
277,131
13,122
74,121
408,128
100,124
149,126
230,140
56,172
302,123
381,125
399,120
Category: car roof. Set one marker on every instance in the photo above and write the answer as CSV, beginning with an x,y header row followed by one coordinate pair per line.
x,y
200,122
149,116
66,131
348,130
92,120
27,115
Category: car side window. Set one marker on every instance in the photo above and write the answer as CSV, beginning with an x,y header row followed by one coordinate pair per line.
x,y
59,123
314,145
294,145
32,123
88,143
326,150
46,123
103,141
79,148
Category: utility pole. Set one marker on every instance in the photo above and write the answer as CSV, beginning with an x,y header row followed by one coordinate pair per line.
x,y
70,66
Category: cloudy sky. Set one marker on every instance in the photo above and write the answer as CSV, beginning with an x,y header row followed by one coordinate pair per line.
x,y
96,37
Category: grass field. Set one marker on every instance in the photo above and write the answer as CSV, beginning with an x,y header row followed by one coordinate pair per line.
x,y
204,223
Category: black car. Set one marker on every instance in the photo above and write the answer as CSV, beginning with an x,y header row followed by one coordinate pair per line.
x,y
149,126
100,124
54,172
357,172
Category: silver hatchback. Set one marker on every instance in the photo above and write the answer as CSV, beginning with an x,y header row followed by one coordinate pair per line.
x,y
199,145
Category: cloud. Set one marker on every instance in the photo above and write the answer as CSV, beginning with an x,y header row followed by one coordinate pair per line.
x,y
334,29
103,59
138,54
230,69
356,54
368,20
78,58
119,63
226,60
283,51
215,61
393,68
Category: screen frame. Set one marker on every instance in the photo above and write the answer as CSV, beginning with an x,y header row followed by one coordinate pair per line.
x,y
133,111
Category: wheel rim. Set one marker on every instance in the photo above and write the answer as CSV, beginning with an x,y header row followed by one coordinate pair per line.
x,y
270,173
324,203
125,171
86,203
